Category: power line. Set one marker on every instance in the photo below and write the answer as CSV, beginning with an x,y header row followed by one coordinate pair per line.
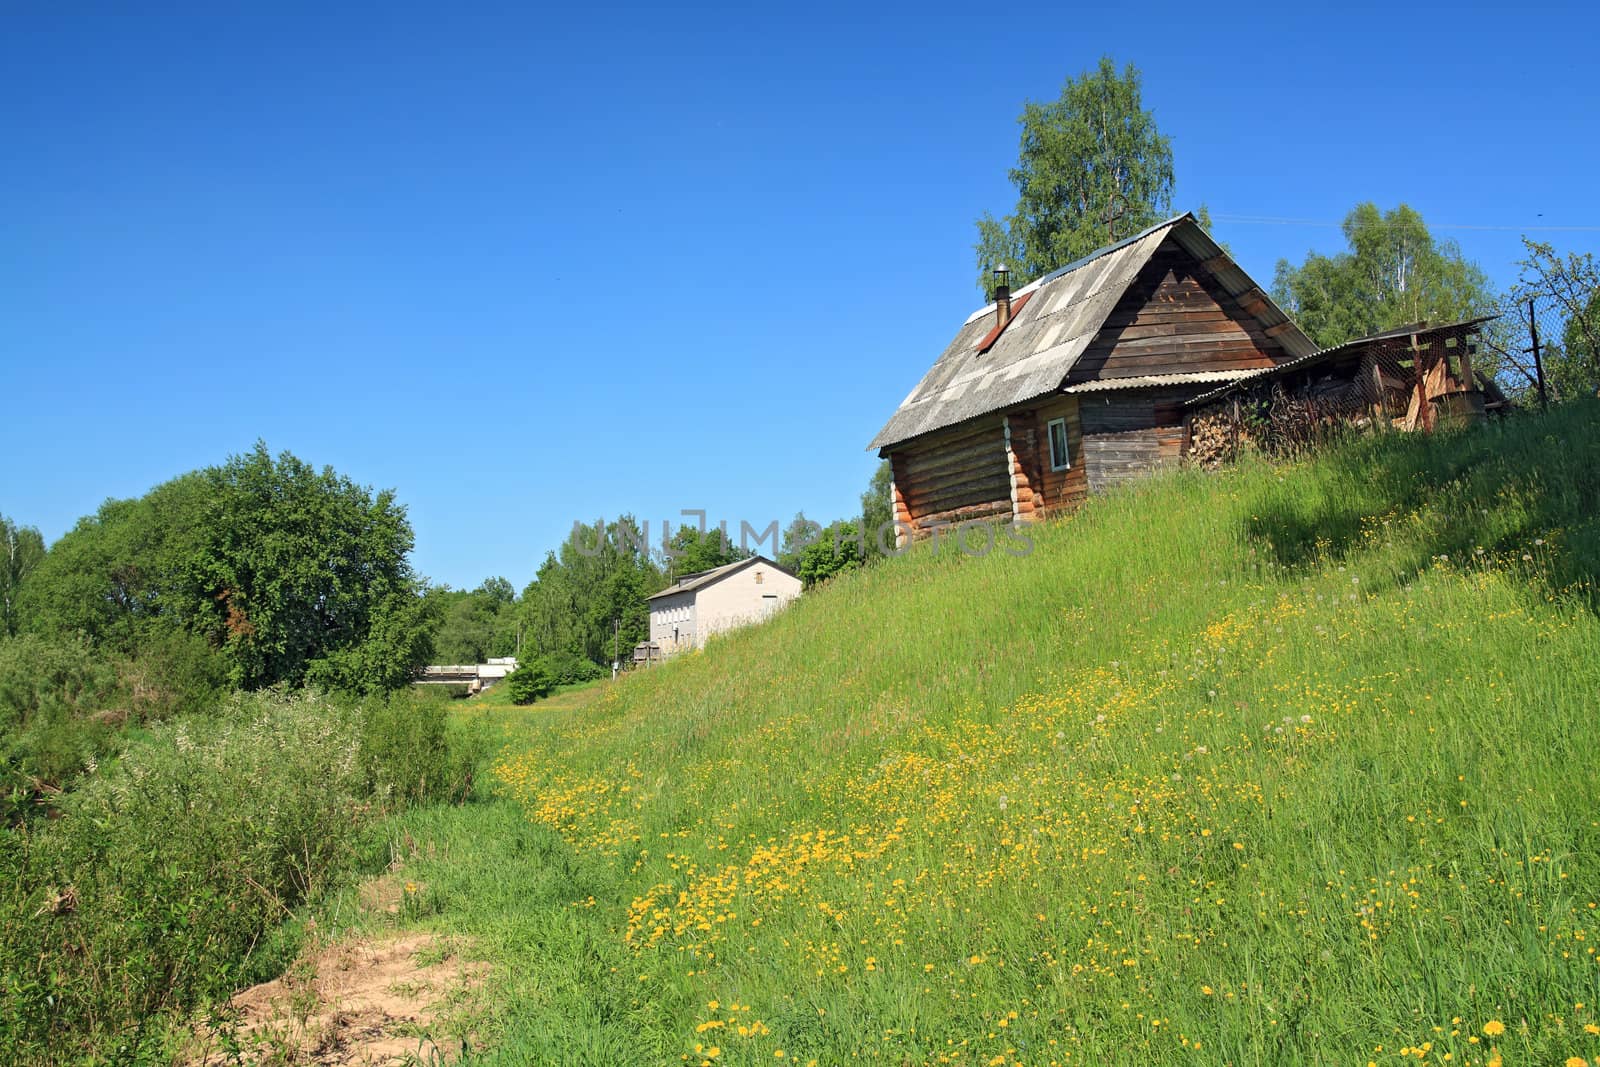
x,y
1273,220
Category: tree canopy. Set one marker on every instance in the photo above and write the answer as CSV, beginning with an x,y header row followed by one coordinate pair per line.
x,y
588,598
1565,290
21,550
1093,151
291,574
1393,272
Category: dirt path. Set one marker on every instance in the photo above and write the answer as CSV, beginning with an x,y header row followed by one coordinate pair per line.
x,y
370,1001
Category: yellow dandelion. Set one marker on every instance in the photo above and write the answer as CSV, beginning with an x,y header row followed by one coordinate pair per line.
x,y
1494,1028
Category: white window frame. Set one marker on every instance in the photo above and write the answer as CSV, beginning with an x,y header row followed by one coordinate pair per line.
x,y
1066,444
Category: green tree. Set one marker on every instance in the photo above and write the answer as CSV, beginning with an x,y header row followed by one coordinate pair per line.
x,y
1567,288
1393,272
877,510
498,589
692,550
21,550
797,536
530,682
477,625
589,598
289,572
1094,151
124,572
837,550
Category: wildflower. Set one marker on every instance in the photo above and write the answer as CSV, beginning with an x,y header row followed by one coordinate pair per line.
x,y
1591,1028
1494,1028
1577,1061
1305,719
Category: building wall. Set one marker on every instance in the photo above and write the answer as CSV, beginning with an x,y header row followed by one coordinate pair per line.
x,y
1176,319
672,622
953,476
1040,490
748,595
1131,432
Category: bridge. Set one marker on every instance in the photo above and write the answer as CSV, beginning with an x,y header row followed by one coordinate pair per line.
x,y
476,677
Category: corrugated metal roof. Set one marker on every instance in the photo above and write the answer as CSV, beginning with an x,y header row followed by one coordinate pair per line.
x,y
1034,354
1333,352
1152,381
701,579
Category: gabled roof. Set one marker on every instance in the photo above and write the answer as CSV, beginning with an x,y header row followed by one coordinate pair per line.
x,y
700,579
1065,311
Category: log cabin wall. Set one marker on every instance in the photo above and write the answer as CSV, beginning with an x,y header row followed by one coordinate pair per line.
x,y
1176,319
954,476
1131,432
1040,490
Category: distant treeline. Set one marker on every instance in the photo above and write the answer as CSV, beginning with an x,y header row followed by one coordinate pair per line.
x,y
587,601
264,571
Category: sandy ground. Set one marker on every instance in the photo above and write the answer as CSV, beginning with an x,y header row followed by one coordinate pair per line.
x,y
371,1001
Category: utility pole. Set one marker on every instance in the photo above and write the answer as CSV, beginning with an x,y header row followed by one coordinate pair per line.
x,y
1538,361
616,646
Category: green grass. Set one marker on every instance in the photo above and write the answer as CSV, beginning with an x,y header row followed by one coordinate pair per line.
x,y
564,697
1284,765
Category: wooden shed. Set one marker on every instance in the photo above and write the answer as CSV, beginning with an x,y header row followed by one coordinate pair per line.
x,y
1078,381
1409,377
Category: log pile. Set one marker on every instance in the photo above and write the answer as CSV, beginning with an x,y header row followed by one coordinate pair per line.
x,y
1212,438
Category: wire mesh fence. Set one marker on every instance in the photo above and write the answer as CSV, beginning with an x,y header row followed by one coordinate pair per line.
x,y
1542,348
1539,345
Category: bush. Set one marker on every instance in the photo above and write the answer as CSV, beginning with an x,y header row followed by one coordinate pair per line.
x,y
409,752
530,682
158,885
64,705
570,668
58,714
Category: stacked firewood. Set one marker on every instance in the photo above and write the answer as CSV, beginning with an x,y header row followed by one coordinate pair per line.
x,y
1213,438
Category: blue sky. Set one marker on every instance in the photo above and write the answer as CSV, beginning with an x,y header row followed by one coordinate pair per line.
x,y
531,264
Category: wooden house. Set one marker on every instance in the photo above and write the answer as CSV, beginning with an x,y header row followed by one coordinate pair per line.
x,y
1078,380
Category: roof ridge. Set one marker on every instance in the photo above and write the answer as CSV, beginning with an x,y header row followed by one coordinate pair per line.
x,y
1084,261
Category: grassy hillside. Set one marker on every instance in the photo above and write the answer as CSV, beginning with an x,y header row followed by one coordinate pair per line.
x,y
1290,764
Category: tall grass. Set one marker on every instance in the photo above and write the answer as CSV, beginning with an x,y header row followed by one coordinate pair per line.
x,y
1290,764
164,881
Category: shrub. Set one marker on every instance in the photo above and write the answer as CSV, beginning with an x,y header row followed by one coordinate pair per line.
x,y
50,694
409,752
65,705
167,867
571,668
530,682
158,885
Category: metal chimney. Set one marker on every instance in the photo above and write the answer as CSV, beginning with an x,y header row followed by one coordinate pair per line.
x,y
1002,295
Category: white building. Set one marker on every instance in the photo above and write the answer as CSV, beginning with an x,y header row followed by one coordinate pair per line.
x,y
697,606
